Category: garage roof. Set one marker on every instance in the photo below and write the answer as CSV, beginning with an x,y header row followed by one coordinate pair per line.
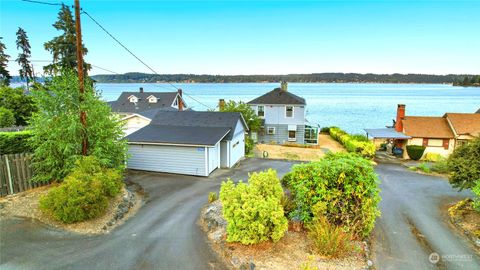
x,y
179,135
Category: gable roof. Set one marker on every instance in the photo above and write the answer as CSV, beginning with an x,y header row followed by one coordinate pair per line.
x,y
427,127
200,119
465,123
181,135
188,127
123,104
277,96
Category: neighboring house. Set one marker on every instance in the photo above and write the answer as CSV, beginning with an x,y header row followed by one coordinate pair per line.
x,y
283,115
138,108
478,111
439,135
188,142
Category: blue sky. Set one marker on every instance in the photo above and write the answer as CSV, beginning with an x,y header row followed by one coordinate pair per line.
x,y
268,37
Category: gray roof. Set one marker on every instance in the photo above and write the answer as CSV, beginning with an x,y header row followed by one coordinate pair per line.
x,y
478,111
122,104
277,96
202,136
385,133
189,127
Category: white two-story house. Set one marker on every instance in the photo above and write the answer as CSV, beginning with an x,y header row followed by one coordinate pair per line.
x,y
284,118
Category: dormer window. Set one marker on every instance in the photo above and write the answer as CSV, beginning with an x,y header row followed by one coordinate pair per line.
x,y
152,99
133,99
288,111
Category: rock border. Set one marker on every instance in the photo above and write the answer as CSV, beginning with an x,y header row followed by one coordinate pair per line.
x,y
456,220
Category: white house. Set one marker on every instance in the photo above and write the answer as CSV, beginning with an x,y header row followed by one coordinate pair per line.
x,y
188,142
138,108
284,118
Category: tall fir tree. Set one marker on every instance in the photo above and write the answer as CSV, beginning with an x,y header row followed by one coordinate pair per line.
x,y
23,59
4,74
64,48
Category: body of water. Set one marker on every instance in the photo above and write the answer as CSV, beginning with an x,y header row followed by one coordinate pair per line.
x,y
352,107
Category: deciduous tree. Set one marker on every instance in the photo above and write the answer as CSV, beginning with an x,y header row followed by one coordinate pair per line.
x,y
18,102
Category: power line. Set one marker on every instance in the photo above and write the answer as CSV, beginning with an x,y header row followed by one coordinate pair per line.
x,y
43,3
50,61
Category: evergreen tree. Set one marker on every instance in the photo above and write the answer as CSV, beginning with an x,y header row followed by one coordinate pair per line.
x,y
4,74
23,61
63,48
466,81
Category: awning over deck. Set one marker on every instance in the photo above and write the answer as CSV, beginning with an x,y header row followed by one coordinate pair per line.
x,y
385,133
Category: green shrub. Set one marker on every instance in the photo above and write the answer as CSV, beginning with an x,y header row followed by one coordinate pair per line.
x,y
84,192
415,152
476,191
441,166
249,144
354,143
464,165
328,239
325,130
212,196
344,183
7,119
15,142
253,211
424,167
288,204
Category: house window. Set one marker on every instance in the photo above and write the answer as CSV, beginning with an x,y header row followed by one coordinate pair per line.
x,y
292,136
133,99
261,111
270,130
152,99
289,111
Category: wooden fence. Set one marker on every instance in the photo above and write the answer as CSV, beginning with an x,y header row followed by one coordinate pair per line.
x,y
16,174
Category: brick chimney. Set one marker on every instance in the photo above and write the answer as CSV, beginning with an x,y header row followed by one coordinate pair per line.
x,y
180,100
284,86
141,89
400,117
221,104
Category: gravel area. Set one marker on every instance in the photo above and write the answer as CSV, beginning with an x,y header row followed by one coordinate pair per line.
x,y
26,204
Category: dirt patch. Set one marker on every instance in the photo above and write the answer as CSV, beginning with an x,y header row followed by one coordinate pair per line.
x,y
467,220
293,251
26,204
300,152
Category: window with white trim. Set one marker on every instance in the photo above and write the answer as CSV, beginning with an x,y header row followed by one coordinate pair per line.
x,y
270,130
261,111
288,111
292,136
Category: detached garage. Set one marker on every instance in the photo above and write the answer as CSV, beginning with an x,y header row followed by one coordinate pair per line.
x,y
188,142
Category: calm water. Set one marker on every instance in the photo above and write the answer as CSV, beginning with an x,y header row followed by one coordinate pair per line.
x,y
352,107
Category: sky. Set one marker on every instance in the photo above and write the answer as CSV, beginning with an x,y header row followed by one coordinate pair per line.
x,y
262,37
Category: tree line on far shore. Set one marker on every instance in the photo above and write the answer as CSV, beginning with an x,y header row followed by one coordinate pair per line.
x,y
468,81
136,77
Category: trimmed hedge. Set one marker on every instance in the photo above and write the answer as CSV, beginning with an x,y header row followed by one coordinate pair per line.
x,y
415,152
15,142
343,187
354,143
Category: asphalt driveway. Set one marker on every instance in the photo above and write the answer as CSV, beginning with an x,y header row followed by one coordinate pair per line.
x,y
163,234
414,223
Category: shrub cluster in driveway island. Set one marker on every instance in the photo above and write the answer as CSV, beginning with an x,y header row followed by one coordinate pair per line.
x,y
343,187
415,152
353,143
253,211
84,192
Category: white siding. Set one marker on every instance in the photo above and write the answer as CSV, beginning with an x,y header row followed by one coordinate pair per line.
x,y
224,154
134,123
170,159
213,158
237,148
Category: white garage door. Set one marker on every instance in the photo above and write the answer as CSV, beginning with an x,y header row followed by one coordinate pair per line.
x,y
171,159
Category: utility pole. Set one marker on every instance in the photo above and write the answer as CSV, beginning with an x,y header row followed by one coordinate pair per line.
x,y
81,81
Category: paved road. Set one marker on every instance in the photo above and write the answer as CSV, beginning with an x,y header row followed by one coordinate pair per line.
x,y
414,224
162,235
